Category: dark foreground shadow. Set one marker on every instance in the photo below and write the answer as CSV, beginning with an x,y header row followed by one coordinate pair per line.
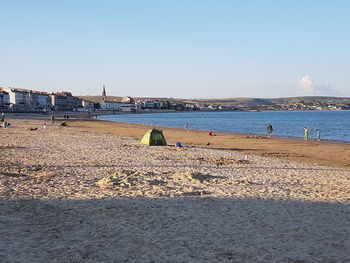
x,y
173,230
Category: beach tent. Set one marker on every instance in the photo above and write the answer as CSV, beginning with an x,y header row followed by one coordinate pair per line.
x,y
153,137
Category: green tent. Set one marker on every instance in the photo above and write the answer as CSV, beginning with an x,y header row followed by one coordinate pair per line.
x,y
153,137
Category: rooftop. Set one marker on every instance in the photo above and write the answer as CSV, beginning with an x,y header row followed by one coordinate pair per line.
x,y
26,91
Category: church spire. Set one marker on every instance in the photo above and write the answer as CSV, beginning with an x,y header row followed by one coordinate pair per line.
x,y
104,96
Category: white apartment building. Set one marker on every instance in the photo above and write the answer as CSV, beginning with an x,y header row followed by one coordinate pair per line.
x,y
4,99
88,105
118,106
22,99
65,101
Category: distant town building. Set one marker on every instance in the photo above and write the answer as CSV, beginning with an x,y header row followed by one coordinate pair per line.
x,y
127,100
117,105
126,104
128,107
88,105
19,98
4,99
65,101
111,105
42,101
28,100
104,95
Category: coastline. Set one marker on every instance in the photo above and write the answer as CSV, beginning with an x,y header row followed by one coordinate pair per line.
x,y
246,131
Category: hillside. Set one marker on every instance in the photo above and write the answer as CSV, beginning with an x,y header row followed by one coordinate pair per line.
x,y
240,101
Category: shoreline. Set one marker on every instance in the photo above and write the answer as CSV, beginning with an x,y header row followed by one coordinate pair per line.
x,y
229,132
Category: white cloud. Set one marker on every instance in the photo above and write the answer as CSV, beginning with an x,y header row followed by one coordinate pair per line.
x,y
311,88
306,82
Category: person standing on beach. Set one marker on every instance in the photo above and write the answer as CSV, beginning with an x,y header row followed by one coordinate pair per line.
x,y
52,119
306,133
318,135
2,116
186,126
269,130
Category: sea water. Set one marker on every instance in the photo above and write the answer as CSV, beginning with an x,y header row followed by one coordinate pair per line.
x,y
333,125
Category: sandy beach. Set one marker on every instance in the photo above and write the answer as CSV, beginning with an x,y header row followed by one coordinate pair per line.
x,y
90,192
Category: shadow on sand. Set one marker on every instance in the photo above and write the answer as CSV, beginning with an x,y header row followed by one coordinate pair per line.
x,y
173,230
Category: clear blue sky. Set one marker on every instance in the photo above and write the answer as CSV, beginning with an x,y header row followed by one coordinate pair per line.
x,y
178,48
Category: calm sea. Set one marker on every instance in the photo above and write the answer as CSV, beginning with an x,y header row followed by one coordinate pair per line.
x,y
333,125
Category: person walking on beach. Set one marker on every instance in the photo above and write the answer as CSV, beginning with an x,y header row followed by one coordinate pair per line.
x,y
318,135
306,133
269,130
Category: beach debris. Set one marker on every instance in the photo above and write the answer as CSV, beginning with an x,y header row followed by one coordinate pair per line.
x,y
246,159
197,193
33,129
178,144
